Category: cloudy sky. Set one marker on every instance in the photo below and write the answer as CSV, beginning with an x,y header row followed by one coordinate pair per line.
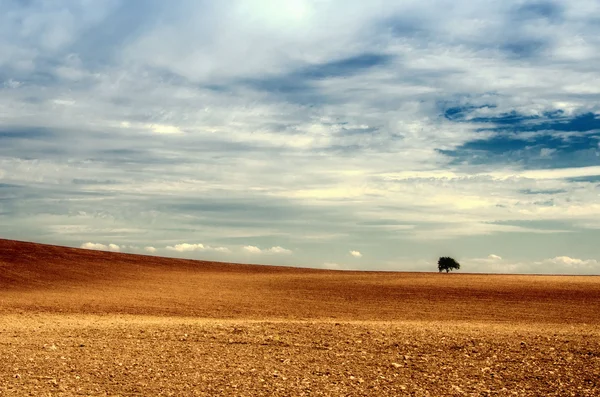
x,y
347,134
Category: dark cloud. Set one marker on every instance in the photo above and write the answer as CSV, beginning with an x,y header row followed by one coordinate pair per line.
x,y
589,179
344,67
80,181
9,186
543,191
404,26
539,9
550,140
549,121
25,133
522,49
298,86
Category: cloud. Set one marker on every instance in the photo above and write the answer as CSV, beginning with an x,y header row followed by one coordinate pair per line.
x,y
406,127
551,140
279,250
149,249
164,129
252,249
556,265
101,247
356,254
273,250
568,262
185,247
497,175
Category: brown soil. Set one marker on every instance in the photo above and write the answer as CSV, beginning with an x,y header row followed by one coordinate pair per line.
x,y
78,322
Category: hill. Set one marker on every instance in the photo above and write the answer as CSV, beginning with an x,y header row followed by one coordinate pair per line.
x,y
44,278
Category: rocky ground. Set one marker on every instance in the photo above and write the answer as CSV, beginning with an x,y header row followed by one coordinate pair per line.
x,y
65,355
89,323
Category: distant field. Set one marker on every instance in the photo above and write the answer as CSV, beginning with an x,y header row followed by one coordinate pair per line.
x,y
78,322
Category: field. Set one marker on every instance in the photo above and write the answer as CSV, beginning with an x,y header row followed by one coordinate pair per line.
x,y
78,322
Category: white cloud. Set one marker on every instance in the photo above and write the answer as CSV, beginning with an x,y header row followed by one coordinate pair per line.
x,y
185,247
164,129
569,262
502,174
273,250
556,265
101,247
94,246
561,173
356,254
279,250
252,249
151,250
546,152
10,83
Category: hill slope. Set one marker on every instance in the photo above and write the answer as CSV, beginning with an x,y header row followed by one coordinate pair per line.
x,y
43,278
27,265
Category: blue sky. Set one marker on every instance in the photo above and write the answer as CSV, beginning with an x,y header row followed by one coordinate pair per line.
x,y
333,134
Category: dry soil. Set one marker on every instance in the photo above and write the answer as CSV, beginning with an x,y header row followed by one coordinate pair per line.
x,y
79,322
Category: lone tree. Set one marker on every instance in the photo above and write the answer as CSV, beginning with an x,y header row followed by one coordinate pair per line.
x,y
446,263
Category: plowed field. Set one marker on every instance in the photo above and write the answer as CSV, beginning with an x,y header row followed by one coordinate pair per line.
x,y
78,322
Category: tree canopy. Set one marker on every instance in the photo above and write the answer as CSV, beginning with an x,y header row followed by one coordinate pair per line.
x,y
446,263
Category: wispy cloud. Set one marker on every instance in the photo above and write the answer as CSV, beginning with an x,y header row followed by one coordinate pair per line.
x,y
273,250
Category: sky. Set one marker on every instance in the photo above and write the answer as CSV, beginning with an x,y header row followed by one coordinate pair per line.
x,y
373,135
